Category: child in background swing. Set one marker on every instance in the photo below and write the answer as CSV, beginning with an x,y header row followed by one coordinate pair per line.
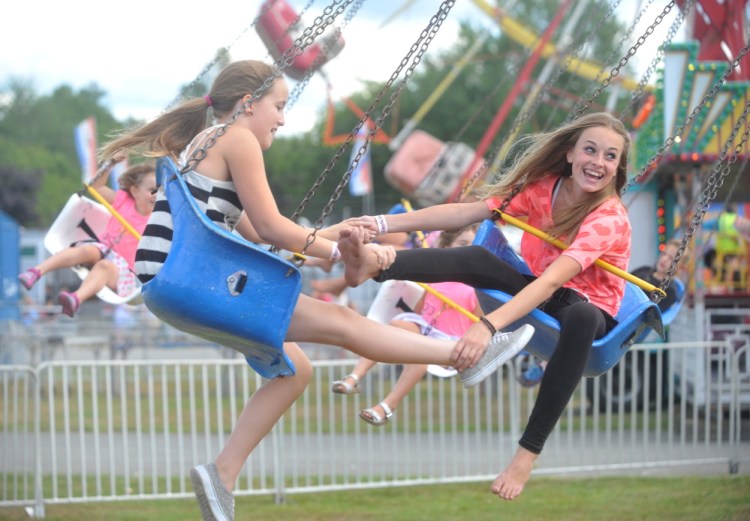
x,y
431,317
109,259
230,185
567,182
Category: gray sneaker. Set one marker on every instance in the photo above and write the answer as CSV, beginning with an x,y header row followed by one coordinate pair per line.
x,y
216,502
503,346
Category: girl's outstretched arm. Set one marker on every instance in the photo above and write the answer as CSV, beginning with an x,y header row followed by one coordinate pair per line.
x,y
449,216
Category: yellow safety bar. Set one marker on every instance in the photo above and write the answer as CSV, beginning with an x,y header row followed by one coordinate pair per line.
x,y
558,243
96,195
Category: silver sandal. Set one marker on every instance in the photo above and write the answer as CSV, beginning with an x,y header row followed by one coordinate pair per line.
x,y
372,417
344,387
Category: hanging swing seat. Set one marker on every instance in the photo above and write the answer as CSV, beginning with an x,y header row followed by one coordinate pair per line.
x,y
428,169
83,219
219,287
637,312
668,315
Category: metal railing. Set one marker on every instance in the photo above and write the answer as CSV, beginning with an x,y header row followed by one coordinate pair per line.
x,y
102,430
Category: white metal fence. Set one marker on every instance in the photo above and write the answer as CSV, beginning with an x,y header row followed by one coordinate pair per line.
x,y
77,431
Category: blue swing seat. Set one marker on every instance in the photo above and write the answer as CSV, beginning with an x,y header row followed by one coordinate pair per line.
x,y
220,287
637,312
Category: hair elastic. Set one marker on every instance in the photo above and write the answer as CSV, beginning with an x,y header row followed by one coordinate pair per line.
x,y
489,325
208,100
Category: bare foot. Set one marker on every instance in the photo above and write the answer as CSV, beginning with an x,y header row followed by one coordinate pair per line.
x,y
361,264
510,482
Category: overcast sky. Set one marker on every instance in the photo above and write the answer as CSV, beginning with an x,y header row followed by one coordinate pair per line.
x,y
141,52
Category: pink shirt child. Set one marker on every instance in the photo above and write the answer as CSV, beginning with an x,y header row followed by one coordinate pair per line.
x,y
605,233
116,236
445,318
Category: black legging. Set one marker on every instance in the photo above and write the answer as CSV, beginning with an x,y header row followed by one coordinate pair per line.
x,y
477,267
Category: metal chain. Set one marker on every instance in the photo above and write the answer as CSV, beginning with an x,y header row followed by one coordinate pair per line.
x,y
689,119
713,183
624,60
418,49
307,37
728,196
628,34
638,92
213,62
521,118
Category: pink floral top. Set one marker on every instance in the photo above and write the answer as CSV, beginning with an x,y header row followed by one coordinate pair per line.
x,y
444,317
604,234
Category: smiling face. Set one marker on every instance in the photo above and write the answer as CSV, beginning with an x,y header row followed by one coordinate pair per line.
x,y
594,159
268,113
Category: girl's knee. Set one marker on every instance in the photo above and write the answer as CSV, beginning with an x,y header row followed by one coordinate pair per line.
x,y
304,371
303,368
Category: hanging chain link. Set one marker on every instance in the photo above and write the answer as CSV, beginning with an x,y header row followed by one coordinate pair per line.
x,y
418,49
688,120
569,53
638,92
624,60
215,60
307,37
626,37
719,172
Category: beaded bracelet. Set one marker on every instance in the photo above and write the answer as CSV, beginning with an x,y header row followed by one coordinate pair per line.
x,y
489,325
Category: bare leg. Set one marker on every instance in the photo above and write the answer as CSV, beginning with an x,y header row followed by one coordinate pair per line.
x,y
409,378
103,273
324,323
362,368
510,482
69,257
361,264
260,414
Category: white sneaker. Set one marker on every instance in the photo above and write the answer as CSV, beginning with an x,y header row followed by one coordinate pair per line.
x,y
216,502
502,347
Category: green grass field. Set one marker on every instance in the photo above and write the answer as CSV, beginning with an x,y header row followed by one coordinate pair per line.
x,y
725,498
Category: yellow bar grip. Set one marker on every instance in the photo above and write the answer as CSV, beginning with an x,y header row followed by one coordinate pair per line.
x,y
96,195
558,243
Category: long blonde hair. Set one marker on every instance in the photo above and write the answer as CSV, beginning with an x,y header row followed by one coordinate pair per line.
x,y
546,154
171,132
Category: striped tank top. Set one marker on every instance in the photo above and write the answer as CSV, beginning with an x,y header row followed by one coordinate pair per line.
x,y
217,199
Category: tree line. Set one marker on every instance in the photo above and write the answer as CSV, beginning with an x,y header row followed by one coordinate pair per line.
x,y
39,167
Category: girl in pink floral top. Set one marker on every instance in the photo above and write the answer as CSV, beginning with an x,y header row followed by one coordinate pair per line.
x,y
566,182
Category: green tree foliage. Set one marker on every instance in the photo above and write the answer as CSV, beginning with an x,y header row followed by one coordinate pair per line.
x,y
36,134
36,131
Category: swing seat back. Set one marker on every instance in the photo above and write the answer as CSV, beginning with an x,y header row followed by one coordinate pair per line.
x,y
220,287
637,312
394,297
669,314
83,219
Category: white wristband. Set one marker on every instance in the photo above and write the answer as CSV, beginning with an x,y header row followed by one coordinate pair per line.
x,y
335,252
381,224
